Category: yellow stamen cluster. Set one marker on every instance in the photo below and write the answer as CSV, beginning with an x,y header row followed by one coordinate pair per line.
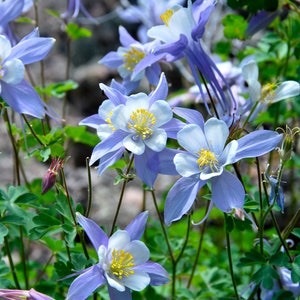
x,y
207,159
142,121
108,121
166,16
121,263
132,58
268,91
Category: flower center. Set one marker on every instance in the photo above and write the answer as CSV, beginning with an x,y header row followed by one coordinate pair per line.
x,y
1,69
166,16
132,58
108,121
207,159
268,91
142,121
121,263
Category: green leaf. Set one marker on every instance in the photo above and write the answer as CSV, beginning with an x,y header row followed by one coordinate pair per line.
x,y
75,32
3,233
45,219
79,134
252,257
266,276
296,270
59,89
234,27
279,259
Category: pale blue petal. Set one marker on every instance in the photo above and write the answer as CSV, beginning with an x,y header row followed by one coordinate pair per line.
x,y
192,138
158,275
137,226
112,143
257,143
104,131
186,164
125,38
114,95
147,166
162,112
227,192
13,71
106,107
85,284
96,235
112,60
32,50
157,141
9,10
216,132
161,91
172,127
134,144
92,121
23,99
166,161
181,197
109,159
286,90
114,294
191,116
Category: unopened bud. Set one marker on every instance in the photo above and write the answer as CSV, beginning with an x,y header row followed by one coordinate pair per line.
x,y
49,178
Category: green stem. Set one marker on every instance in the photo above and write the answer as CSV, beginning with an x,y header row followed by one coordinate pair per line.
x,y
202,230
262,219
89,187
121,195
168,245
23,258
231,266
11,264
15,150
32,131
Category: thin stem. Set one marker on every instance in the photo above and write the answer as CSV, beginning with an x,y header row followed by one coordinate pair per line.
x,y
202,230
89,187
168,245
15,150
11,264
81,236
32,131
62,173
23,258
231,266
261,223
121,195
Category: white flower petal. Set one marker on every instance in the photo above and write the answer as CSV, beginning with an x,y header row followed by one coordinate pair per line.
x,y
162,112
192,138
138,281
139,251
5,47
119,240
228,155
13,71
186,164
134,144
104,131
157,141
105,109
113,282
216,132
286,90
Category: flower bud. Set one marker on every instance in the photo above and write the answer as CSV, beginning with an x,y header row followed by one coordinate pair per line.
x,y
51,174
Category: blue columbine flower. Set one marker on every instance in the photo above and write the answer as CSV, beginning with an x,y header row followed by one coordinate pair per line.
x,y
123,265
146,12
139,123
205,159
262,96
128,56
181,33
14,90
21,294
